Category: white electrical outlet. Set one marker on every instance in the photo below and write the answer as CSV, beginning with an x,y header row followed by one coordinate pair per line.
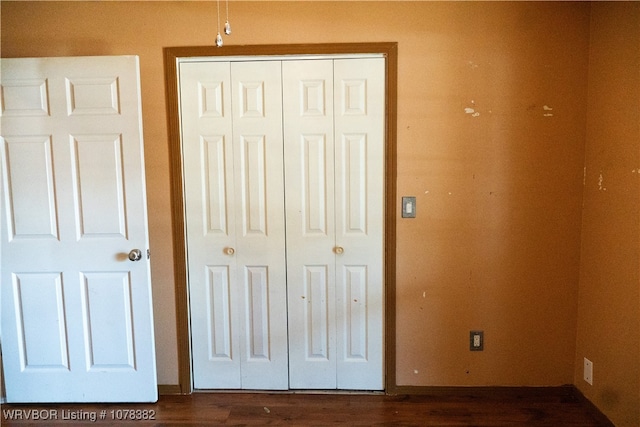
x,y
588,371
476,340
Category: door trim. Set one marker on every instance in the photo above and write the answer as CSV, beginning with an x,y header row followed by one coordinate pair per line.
x,y
171,56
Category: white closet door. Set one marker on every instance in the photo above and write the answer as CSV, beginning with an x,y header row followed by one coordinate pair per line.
x,y
334,156
309,160
234,196
205,97
359,207
259,212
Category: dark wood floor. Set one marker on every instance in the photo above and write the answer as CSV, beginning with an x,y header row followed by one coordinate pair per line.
x,y
553,407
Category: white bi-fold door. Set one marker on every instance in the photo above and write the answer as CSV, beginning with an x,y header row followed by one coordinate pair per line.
x,y
334,164
77,321
283,177
234,202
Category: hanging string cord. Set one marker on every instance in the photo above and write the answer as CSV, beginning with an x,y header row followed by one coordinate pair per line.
x,y
218,4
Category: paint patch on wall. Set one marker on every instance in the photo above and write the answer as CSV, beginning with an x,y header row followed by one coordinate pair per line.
x,y
471,111
601,186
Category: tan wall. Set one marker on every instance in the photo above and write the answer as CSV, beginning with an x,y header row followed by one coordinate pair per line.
x,y
609,301
496,243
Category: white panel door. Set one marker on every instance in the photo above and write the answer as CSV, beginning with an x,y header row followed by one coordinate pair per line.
x,y
334,159
234,195
309,163
77,321
208,184
259,212
359,207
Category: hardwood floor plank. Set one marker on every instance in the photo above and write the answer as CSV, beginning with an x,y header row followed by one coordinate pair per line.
x,y
551,407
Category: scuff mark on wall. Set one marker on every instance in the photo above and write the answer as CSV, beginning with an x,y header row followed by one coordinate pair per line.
x,y
472,110
547,109
601,187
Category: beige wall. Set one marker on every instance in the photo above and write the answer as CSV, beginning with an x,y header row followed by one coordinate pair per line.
x,y
609,296
496,242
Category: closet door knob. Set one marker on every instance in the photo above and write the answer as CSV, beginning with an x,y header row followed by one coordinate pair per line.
x,y
338,250
229,251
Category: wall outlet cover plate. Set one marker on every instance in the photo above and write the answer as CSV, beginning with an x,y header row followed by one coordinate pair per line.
x,y
588,371
476,340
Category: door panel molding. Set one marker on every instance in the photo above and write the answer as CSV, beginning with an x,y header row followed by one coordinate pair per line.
x,y
171,58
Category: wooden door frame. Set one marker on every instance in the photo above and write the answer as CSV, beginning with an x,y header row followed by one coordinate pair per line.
x,y
171,56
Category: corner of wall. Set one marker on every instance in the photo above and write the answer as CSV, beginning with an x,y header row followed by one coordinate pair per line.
x,y
608,330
